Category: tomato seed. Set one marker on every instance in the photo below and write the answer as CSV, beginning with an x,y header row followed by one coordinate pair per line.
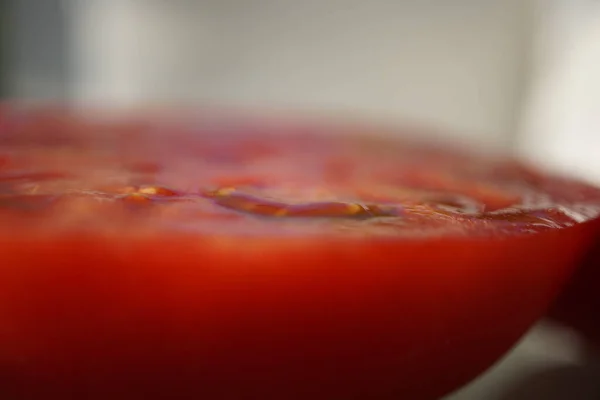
x,y
156,191
137,198
231,198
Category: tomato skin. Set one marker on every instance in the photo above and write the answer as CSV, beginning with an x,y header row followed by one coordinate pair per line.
x,y
578,305
182,317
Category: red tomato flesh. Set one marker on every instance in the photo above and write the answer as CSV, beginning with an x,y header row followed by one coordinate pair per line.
x,y
165,260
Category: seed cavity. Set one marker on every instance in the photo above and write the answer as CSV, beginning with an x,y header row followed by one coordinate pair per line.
x,y
137,198
235,200
146,194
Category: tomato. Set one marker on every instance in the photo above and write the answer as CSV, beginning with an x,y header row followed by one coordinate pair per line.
x,y
166,258
578,305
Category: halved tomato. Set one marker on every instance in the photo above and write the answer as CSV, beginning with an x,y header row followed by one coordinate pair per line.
x,y
579,303
194,258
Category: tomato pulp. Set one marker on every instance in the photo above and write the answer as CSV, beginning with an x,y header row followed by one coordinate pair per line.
x,y
193,258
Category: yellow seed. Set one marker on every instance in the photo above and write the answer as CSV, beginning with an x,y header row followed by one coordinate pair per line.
x,y
151,190
156,191
224,191
354,208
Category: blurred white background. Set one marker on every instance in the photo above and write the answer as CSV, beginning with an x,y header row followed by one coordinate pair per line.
x,y
459,64
521,75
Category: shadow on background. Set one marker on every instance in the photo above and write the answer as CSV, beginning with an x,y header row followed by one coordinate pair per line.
x,y
580,382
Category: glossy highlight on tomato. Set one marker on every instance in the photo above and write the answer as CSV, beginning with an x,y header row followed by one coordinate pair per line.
x,y
176,258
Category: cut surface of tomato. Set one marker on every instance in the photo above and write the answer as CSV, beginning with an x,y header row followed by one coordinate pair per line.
x,y
223,181
177,258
